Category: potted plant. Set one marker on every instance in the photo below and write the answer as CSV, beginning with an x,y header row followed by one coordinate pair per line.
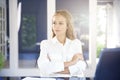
x,y
1,62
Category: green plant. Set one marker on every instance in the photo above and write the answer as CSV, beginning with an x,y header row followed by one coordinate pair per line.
x,y
1,60
99,48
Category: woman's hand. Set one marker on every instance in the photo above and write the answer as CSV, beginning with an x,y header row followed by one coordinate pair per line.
x,y
74,60
66,71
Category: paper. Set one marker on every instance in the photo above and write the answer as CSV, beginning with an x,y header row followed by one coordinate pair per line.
x,y
31,78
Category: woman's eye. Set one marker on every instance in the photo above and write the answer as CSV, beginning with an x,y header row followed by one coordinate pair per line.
x,y
53,23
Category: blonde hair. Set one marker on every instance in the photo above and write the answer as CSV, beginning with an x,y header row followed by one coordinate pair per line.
x,y
68,17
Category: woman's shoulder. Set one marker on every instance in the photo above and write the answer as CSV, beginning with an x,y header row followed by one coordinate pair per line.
x,y
77,41
45,42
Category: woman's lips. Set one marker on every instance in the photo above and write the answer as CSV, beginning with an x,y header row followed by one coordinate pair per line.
x,y
57,30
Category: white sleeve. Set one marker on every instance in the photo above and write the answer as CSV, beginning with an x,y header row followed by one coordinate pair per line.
x,y
77,46
78,68
48,67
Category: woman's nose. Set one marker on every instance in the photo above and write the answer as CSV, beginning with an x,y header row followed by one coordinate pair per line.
x,y
56,25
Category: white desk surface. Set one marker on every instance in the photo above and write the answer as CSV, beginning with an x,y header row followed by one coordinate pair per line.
x,y
31,78
54,76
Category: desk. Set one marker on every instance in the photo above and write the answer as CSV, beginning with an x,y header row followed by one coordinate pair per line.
x,y
56,78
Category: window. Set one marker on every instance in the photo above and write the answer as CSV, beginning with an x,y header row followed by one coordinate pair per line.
x,y
33,29
40,12
80,14
84,16
28,33
3,31
101,28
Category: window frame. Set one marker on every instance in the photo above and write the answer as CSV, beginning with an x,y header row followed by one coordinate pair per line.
x,y
14,69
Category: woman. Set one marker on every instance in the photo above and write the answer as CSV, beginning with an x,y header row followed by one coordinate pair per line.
x,y
63,53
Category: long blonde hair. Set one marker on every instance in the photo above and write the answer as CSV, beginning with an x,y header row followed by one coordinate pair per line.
x,y
68,17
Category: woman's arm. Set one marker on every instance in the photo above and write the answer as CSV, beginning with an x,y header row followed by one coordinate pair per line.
x,y
74,60
48,67
45,64
66,71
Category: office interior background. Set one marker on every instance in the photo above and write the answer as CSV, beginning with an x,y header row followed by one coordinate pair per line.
x,y
25,23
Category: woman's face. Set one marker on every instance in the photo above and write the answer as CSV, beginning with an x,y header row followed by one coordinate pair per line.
x,y
59,25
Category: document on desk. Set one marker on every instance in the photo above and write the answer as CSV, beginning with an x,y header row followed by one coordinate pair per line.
x,y
32,78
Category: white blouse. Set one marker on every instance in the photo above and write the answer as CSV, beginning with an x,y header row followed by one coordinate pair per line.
x,y
53,54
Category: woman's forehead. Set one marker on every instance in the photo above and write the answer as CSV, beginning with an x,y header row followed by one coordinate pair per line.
x,y
59,17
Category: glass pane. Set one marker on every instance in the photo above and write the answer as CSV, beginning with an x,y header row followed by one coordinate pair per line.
x,y
3,13
0,38
82,30
28,32
28,41
4,46
80,13
33,29
101,28
0,12
6,34
4,27
0,25
3,50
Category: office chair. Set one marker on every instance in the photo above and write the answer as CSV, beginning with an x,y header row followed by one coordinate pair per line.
x,y
108,67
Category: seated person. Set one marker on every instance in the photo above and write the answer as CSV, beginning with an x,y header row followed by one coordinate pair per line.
x,y
63,53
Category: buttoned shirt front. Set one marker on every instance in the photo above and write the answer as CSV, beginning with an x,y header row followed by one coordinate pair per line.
x,y
53,54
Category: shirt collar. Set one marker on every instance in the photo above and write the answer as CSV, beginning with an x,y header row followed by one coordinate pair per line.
x,y
55,40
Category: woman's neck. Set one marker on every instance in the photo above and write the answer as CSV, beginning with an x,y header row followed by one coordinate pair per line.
x,y
61,39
